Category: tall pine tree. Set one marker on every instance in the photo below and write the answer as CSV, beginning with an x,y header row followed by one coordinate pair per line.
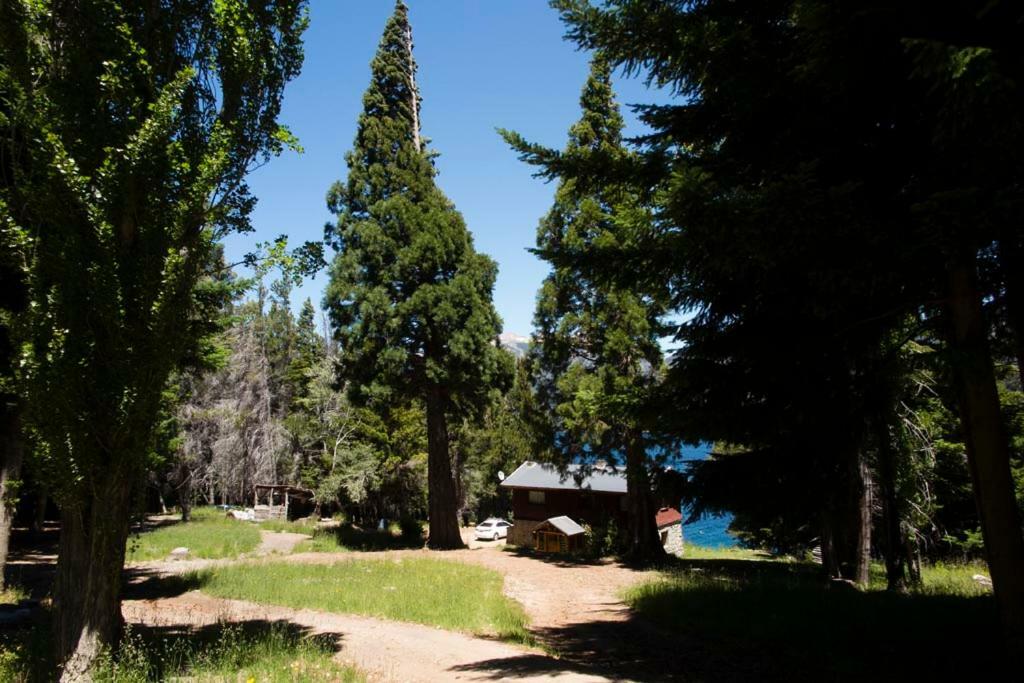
x,y
596,345
409,298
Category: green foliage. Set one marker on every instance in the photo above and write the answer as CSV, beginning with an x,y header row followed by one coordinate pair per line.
x,y
595,354
439,593
603,540
504,438
209,535
131,159
409,297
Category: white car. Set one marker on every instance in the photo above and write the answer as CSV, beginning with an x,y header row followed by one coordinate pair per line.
x,y
492,529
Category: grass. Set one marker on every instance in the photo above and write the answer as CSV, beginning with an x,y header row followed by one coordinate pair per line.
x,y
208,535
12,595
696,552
441,593
231,653
253,651
347,537
779,618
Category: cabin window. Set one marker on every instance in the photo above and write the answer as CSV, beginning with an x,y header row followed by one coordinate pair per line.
x,y
664,537
537,497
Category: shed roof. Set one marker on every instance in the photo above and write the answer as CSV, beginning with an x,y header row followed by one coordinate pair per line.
x,y
566,525
667,516
537,475
284,488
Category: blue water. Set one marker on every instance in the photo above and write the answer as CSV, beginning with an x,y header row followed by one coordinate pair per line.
x,y
709,532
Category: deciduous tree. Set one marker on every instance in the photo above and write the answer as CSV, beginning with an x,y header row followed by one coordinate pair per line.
x,y
134,125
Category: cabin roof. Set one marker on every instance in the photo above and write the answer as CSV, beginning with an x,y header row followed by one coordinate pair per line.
x,y
537,475
666,516
564,524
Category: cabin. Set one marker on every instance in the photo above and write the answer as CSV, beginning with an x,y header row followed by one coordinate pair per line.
x,y
550,505
541,492
670,528
281,501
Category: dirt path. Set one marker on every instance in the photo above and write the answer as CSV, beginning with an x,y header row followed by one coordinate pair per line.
x,y
279,542
385,650
575,609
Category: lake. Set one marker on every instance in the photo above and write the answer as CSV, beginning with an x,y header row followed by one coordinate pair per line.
x,y
709,532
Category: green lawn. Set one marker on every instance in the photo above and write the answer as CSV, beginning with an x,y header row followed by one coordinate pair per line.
x,y
209,535
441,593
777,617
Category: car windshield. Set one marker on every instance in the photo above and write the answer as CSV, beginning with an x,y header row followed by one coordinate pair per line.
x,y
485,524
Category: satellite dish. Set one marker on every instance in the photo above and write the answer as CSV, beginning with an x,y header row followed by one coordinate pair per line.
x,y
501,476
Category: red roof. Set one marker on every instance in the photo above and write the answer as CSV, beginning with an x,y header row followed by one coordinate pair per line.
x,y
666,516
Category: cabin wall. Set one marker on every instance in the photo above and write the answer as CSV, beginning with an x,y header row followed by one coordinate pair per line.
x,y
585,507
672,538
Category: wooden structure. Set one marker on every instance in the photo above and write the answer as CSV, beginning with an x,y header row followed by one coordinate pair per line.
x,y
281,502
670,529
558,535
595,496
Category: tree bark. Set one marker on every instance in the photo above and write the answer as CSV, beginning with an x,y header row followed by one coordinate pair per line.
x,y
442,503
644,544
988,455
863,493
848,521
10,470
87,614
39,514
185,492
891,517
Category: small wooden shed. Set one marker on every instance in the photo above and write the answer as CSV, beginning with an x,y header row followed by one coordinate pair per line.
x,y
558,535
280,501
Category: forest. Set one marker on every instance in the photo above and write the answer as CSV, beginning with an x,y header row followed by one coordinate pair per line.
x,y
811,264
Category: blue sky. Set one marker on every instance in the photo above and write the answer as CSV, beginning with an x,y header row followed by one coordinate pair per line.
x,y
483,64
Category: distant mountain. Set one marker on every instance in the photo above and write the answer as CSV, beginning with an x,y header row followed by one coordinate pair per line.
x,y
517,344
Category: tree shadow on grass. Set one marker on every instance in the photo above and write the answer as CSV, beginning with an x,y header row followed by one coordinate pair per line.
x,y
144,583
352,537
739,620
244,634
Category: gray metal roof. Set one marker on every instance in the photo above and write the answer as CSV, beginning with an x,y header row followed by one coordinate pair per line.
x,y
566,525
536,475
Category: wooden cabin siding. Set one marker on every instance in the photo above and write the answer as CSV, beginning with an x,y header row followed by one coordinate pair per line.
x,y
583,506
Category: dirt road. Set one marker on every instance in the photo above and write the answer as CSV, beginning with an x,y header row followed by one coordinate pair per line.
x,y
575,610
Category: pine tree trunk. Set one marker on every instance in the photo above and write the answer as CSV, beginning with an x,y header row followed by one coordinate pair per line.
x,y
863,494
10,470
988,454
39,514
644,543
894,545
442,502
848,521
185,492
87,609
